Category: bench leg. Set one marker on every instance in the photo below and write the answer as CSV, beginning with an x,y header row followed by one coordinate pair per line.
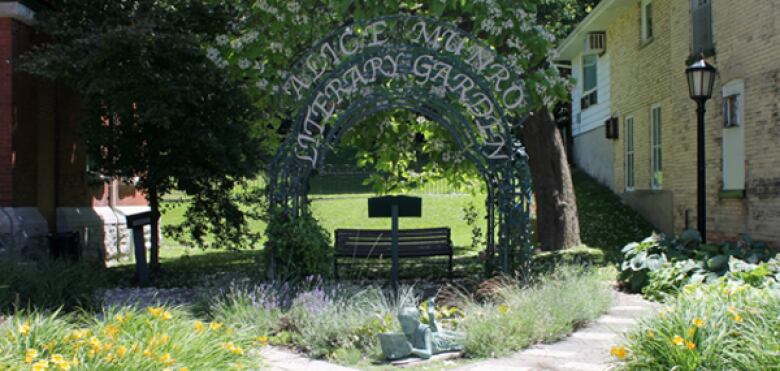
x,y
450,274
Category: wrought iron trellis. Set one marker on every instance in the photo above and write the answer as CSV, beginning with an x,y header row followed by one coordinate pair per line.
x,y
329,92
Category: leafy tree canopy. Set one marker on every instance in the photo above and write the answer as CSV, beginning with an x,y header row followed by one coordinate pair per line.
x,y
272,34
155,106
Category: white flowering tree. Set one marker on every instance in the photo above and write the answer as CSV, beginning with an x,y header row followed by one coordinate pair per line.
x,y
401,148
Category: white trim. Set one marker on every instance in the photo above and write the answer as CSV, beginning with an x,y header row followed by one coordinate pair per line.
x,y
733,140
633,153
17,11
653,147
598,20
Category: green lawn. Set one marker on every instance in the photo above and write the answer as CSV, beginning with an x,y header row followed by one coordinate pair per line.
x,y
341,202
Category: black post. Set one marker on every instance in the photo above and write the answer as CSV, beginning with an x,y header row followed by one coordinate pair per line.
x,y
394,236
141,268
701,211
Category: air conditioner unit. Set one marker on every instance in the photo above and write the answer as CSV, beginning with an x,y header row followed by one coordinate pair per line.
x,y
596,43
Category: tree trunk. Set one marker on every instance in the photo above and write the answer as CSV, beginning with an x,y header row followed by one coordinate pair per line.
x,y
154,254
557,223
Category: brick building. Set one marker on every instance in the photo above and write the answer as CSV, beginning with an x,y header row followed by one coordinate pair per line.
x,y
44,183
629,59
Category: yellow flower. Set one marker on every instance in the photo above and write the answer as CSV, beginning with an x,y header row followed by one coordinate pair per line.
x,y
30,355
263,340
691,345
155,311
618,351
737,318
111,331
75,361
121,351
94,342
119,317
41,365
698,322
199,326
184,369
57,358
167,315
24,328
215,326
726,291
678,340
503,309
651,334
167,360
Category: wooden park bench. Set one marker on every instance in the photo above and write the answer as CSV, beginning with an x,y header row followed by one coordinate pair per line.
x,y
375,243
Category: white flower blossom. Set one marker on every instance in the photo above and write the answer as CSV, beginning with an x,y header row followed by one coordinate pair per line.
x,y
262,84
293,6
212,54
222,40
244,63
259,66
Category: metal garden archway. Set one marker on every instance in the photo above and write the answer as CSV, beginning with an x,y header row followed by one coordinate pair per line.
x,y
425,66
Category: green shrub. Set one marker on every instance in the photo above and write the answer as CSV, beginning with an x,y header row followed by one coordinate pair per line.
x,y
129,339
50,285
552,306
297,247
723,326
325,322
659,267
580,256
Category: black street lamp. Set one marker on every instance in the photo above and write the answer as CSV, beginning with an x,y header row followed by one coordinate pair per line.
x,y
701,80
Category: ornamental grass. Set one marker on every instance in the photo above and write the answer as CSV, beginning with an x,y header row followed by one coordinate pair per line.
x,y
708,327
154,338
548,308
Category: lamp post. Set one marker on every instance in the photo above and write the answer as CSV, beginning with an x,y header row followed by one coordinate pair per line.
x,y
701,80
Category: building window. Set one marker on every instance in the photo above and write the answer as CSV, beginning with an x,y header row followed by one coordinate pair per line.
x,y
647,21
701,28
630,166
733,136
731,110
656,158
589,81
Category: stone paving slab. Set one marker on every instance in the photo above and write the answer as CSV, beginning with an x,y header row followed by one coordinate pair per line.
x,y
284,360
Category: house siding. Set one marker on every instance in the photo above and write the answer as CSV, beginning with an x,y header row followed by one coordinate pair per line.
x,y
747,42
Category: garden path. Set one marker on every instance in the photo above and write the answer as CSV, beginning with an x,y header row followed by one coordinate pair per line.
x,y
586,349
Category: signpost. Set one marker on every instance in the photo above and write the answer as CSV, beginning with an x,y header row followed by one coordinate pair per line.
x,y
136,222
394,207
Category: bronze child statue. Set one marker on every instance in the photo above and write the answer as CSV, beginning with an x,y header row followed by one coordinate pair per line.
x,y
419,339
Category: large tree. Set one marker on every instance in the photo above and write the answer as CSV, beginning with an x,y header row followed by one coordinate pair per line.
x,y
272,34
155,107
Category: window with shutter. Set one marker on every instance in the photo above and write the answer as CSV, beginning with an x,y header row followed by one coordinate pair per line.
x,y
630,179
589,81
656,153
647,21
701,28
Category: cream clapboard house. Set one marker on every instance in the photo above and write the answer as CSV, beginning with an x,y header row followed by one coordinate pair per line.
x,y
634,126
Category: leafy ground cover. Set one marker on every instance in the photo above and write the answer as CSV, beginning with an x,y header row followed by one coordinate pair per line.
x,y
660,266
605,222
723,326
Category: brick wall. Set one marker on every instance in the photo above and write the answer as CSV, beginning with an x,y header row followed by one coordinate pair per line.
x,y
747,42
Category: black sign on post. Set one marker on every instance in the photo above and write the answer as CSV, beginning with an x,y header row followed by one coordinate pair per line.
x,y
136,222
394,207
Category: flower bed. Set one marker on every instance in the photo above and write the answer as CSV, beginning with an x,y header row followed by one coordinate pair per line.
x,y
723,326
154,338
